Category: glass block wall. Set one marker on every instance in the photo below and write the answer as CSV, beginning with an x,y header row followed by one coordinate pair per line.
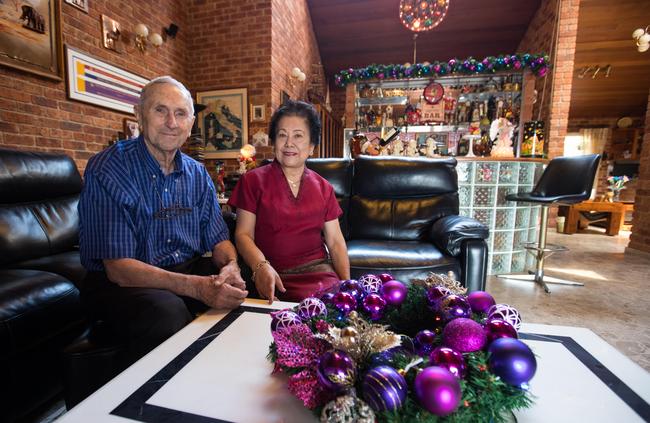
x,y
482,189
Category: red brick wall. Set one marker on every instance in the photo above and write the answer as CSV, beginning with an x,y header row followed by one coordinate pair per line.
x,y
34,111
640,238
554,91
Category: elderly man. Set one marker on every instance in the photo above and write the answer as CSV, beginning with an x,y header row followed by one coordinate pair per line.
x,y
147,215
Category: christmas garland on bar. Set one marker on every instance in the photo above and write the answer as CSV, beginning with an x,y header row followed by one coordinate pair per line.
x,y
379,351
537,63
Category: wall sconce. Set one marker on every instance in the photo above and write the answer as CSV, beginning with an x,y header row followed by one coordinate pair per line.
x,y
117,39
642,39
142,37
296,75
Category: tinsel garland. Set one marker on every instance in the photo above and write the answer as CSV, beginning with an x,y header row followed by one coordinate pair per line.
x,y
537,63
485,397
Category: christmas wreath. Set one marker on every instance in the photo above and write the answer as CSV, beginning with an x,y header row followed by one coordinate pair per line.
x,y
378,350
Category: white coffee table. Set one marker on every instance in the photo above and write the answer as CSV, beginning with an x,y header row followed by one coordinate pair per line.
x,y
215,370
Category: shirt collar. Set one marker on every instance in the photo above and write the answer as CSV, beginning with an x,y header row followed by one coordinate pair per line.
x,y
151,163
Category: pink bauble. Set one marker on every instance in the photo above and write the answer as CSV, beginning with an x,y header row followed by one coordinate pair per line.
x,y
505,312
449,359
385,277
464,335
394,292
480,301
496,328
437,390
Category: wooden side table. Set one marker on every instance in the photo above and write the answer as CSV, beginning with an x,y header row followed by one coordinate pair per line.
x,y
616,212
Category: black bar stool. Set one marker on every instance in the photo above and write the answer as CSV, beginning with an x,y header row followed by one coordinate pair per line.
x,y
566,180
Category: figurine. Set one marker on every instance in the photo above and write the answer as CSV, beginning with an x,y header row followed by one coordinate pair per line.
x,y
412,148
397,147
501,131
371,148
388,122
429,148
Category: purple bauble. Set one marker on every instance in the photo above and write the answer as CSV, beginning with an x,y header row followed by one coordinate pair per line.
x,y
284,319
454,306
512,361
435,294
374,305
496,328
437,390
370,283
336,370
449,359
480,301
384,389
385,277
464,335
327,298
353,287
387,357
505,312
311,307
394,292
344,302
424,342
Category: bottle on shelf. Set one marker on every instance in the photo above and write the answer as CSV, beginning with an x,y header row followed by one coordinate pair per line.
x,y
390,135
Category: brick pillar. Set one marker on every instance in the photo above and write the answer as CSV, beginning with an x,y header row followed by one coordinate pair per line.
x,y
640,238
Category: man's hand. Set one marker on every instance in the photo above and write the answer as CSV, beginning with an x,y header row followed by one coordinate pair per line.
x,y
215,292
267,281
231,274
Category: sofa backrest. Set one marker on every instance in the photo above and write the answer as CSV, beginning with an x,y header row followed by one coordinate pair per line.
x,y
399,198
39,193
338,172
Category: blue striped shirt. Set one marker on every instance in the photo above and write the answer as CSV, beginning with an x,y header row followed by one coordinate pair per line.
x,y
125,195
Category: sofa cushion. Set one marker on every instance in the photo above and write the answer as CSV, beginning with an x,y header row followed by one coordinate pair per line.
x,y
449,232
337,172
405,260
66,264
35,306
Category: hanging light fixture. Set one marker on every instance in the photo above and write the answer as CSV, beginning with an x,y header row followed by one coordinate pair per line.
x,y
422,15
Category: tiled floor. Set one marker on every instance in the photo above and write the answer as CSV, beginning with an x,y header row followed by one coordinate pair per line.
x,y
614,303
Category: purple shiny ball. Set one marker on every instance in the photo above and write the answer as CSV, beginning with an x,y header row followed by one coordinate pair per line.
x,y
327,298
464,335
384,389
454,306
336,370
284,319
344,302
449,359
497,328
437,390
480,301
385,277
424,342
370,283
394,292
435,294
353,287
512,361
311,307
374,305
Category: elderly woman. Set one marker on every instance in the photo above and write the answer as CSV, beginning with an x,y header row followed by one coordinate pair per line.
x,y
287,214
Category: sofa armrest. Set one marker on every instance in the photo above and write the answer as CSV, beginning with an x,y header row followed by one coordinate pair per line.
x,y
449,232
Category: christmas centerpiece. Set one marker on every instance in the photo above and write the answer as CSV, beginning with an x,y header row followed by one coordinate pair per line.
x,y
378,350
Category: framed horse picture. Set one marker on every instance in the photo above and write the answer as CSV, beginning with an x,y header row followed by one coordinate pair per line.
x,y
31,37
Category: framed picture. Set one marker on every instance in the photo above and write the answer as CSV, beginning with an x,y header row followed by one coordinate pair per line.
x,y
284,97
92,81
131,128
257,113
224,122
79,4
30,37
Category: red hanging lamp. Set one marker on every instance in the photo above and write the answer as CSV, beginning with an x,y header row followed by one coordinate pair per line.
x,y
422,15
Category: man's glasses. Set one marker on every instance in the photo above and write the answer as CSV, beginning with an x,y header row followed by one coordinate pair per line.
x,y
167,213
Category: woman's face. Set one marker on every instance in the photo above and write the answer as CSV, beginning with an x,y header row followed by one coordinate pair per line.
x,y
292,142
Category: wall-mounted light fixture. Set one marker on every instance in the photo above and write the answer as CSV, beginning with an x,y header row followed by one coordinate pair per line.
x,y
642,38
594,70
296,75
118,39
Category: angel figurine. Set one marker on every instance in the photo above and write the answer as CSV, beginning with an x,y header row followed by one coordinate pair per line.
x,y
501,130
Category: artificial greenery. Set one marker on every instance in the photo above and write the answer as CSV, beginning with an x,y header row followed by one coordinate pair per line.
x,y
485,397
537,63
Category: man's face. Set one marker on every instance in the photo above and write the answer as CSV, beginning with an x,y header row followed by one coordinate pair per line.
x,y
166,118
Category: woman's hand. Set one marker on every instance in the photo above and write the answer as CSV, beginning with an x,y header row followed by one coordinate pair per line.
x,y
267,281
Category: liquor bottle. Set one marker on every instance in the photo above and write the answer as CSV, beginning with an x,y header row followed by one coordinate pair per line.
x,y
390,135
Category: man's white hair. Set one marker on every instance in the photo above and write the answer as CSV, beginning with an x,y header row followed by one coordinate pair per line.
x,y
147,89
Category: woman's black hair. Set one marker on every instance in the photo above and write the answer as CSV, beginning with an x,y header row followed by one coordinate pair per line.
x,y
301,109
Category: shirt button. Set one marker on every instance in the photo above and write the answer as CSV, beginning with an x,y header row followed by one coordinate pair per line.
x,y
168,241
176,254
165,189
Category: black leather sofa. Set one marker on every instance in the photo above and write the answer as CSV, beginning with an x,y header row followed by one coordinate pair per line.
x,y
400,215
40,307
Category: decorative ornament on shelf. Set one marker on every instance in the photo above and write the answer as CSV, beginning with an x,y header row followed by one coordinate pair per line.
x,y
247,158
538,63
616,184
642,38
422,15
399,360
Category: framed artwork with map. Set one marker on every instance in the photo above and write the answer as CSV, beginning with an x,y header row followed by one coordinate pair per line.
x,y
224,122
